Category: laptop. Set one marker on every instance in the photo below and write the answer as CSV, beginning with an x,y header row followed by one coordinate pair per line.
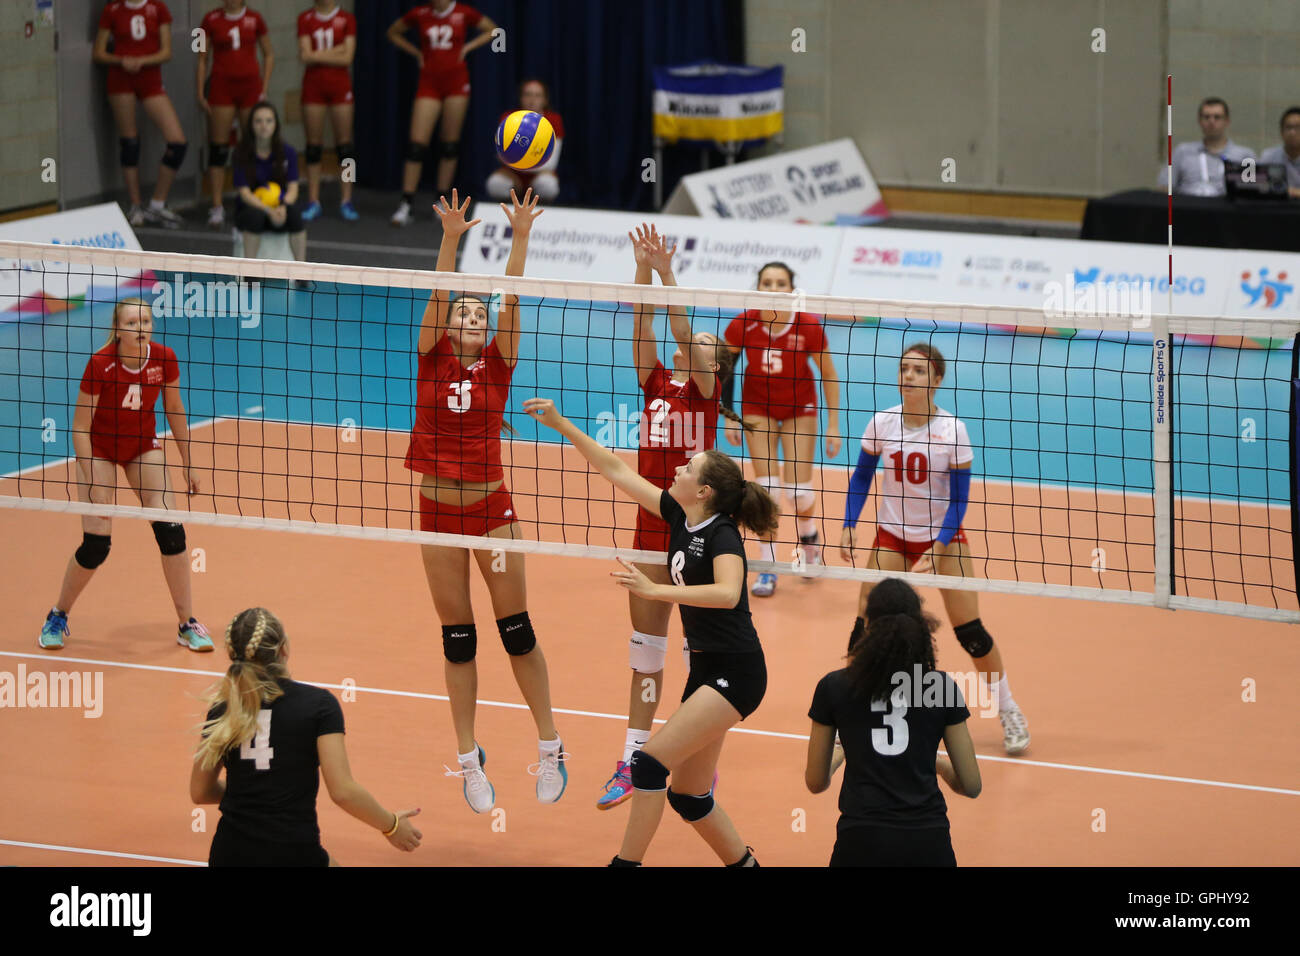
x,y
1266,181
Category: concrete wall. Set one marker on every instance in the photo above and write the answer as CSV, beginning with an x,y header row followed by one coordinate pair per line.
x,y
28,108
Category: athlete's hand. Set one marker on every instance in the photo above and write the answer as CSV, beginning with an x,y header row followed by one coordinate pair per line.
x,y
832,441
544,410
925,563
279,214
453,216
522,214
193,481
131,64
661,257
732,431
640,245
847,544
837,754
203,104
632,579
407,836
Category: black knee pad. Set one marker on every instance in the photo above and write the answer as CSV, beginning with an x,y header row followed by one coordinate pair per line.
x,y
313,153
648,773
459,642
174,155
415,152
218,156
345,152
449,150
517,634
94,550
170,536
130,151
689,808
976,641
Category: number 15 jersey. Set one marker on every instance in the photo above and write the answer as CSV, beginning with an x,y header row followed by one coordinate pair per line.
x,y
914,464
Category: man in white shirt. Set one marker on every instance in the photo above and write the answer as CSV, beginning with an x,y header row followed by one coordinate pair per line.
x,y
1198,167
1288,153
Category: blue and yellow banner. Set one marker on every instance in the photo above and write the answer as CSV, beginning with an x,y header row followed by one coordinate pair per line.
x,y
718,103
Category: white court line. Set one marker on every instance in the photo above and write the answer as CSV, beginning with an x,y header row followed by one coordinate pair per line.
x,y
1016,761
125,856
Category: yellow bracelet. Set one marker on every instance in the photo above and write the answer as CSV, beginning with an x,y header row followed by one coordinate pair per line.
x,y
397,822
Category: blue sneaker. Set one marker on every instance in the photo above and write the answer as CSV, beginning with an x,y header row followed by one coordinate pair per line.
x,y
479,792
349,212
312,211
617,789
53,631
551,776
765,585
194,636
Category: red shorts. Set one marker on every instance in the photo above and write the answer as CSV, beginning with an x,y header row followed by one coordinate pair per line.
x,y
124,449
241,92
148,82
326,86
651,532
910,550
439,86
780,412
494,511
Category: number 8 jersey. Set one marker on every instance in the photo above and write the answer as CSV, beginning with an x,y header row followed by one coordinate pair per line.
x,y
913,470
459,413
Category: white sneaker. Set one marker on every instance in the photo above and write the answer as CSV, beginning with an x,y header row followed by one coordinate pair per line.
x,y
163,216
812,550
1015,731
403,215
551,776
479,792
135,216
217,217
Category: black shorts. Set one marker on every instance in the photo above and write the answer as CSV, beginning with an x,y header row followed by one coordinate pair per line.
x,y
251,219
892,846
740,678
232,848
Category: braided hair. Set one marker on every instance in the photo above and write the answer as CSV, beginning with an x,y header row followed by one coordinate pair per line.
x,y
254,641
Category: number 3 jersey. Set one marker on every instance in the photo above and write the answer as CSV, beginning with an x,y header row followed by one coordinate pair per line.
x,y
124,409
913,470
459,413
677,424
273,778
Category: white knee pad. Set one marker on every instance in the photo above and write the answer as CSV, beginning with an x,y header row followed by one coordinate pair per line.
x,y
802,494
647,652
499,185
546,186
772,484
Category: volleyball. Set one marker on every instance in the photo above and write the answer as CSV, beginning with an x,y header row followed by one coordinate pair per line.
x,y
525,140
268,194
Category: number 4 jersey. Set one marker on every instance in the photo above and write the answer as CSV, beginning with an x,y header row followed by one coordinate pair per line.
x,y
459,413
913,470
123,426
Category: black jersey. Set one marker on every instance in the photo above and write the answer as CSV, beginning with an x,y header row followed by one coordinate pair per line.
x,y
272,780
889,749
690,561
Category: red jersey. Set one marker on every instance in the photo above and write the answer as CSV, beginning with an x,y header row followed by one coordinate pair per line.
x,y
557,124
232,41
136,27
327,31
778,373
459,413
678,423
124,412
442,35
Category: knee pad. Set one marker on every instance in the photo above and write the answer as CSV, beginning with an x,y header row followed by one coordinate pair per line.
x,y
459,642
499,186
345,151
517,634
689,808
546,186
218,156
449,150
976,641
313,153
648,773
648,652
174,155
415,152
802,495
170,536
771,484
130,150
94,550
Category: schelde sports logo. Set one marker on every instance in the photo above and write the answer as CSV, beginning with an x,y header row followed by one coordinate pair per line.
x,y
900,258
1183,285
1265,292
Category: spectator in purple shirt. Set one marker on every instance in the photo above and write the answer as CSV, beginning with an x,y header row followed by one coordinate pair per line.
x,y
264,160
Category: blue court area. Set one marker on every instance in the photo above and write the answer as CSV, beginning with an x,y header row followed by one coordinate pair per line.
x,y
1040,410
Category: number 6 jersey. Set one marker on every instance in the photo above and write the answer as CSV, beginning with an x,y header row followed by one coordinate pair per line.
x,y
459,413
913,470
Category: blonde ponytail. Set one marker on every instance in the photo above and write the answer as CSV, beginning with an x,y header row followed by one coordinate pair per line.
x,y
253,641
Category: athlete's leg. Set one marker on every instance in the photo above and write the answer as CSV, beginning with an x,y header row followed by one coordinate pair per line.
x,y
651,618
313,122
447,571
96,484
123,107
147,476
694,777
424,117
453,121
159,109
341,115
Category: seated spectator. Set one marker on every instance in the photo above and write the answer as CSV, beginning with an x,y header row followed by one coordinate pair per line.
x,y
533,95
264,160
1288,154
1198,167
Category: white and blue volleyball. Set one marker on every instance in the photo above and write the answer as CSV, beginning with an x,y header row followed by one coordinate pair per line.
x,y
525,140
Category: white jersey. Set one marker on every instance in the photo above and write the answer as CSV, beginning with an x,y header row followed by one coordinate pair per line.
x,y
913,470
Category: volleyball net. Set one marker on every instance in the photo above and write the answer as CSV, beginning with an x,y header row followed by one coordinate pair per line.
x,y
1147,460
